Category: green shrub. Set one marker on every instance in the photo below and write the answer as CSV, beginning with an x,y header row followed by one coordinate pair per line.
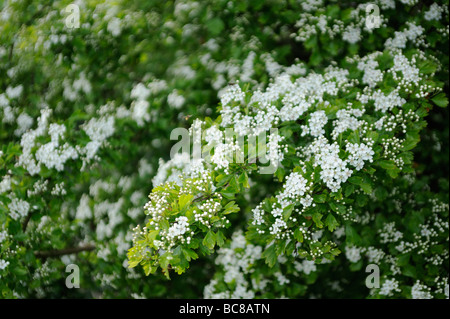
x,y
349,168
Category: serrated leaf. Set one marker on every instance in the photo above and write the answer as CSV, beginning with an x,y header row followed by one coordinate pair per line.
x,y
440,100
184,200
316,217
231,207
320,198
287,211
189,254
331,222
298,235
243,180
220,239
270,255
209,240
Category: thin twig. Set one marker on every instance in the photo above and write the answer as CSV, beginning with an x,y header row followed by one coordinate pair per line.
x,y
62,252
26,221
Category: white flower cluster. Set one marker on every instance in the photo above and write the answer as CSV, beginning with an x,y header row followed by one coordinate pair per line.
x,y
359,153
420,291
55,154
411,33
409,72
59,189
297,97
98,130
175,100
386,103
372,75
176,232
315,124
334,170
294,188
3,235
224,153
156,207
80,84
139,107
426,238
206,211
172,170
353,253
5,184
306,266
389,234
311,24
52,154
346,119
83,210
389,287
9,112
236,262
18,208
27,142
232,94
434,12
295,192
3,264
24,122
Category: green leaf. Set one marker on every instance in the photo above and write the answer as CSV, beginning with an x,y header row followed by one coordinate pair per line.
x,y
209,240
410,271
151,236
215,26
354,137
348,190
243,180
19,271
387,164
133,263
148,269
280,173
403,260
390,167
411,141
290,247
189,254
184,200
366,187
287,212
270,255
316,217
222,180
331,222
233,186
440,100
381,193
352,235
164,260
362,200
298,235
220,238
228,195
356,180
231,207
321,198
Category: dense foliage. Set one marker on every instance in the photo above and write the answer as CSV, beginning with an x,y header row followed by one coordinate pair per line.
x,y
317,136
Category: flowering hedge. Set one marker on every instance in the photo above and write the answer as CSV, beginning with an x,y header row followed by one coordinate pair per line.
x,y
317,146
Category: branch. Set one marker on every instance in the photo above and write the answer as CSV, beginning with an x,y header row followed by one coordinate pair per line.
x,y
26,221
61,252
